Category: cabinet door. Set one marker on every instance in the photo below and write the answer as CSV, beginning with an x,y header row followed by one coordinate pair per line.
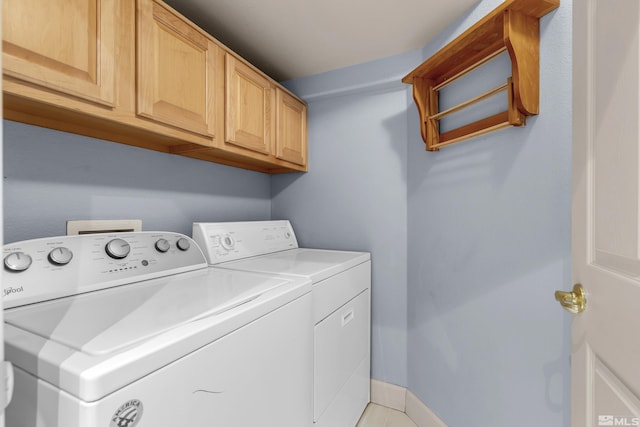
x,y
176,70
248,107
291,129
64,45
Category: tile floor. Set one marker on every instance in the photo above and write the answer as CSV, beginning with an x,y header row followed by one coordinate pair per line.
x,y
379,416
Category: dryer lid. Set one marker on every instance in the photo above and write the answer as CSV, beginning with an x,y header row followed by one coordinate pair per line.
x,y
317,264
107,321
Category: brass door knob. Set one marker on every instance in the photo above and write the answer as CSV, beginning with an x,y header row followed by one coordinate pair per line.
x,y
574,301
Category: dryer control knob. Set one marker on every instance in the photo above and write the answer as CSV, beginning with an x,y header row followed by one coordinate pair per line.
x,y
227,242
17,261
117,248
183,244
60,256
163,245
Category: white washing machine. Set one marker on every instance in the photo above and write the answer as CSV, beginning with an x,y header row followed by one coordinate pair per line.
x,y
134,330
341,305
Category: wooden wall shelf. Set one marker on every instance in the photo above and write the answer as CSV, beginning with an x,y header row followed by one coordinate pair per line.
x,y
512,27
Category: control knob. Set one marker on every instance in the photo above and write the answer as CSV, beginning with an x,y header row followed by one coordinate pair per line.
x,y
183,244
227,242
117,248
162,245
60,256
17,261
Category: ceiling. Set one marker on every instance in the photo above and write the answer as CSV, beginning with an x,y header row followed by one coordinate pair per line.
x,y
293,38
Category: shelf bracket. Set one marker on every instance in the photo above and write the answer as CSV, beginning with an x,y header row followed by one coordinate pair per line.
x,y
521,37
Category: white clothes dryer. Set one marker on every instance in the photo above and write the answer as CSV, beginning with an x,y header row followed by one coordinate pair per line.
x,y
341,305
133,330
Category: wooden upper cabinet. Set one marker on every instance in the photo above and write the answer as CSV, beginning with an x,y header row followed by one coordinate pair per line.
x,y
179,82
291,129
140,73
249,107
67,46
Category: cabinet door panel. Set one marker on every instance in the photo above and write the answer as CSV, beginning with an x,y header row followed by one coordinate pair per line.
x,y
291,129
64,45
176,70
249,107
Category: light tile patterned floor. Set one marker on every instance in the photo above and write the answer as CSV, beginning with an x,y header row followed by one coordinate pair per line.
x,y
379,416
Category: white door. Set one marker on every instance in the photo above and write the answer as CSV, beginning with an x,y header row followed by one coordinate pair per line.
x,y
605,362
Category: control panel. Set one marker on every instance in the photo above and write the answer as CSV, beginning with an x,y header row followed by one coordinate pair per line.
x,y
42,269
229,241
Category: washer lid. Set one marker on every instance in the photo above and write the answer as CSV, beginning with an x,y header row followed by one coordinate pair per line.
x,y
104,322
93,344
317,264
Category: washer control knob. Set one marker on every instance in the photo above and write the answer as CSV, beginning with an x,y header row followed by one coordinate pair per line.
x,y
162,245
60,256
183,244
117,248
17,261
227,242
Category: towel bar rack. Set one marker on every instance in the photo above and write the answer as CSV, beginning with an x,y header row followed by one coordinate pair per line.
x,y
514,27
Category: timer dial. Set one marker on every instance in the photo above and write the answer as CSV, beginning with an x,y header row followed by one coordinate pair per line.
x,y
227,242
117,248
183,244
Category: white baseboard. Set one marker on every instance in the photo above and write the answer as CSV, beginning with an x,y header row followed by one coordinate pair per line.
x,y
401,399
389,395
420,413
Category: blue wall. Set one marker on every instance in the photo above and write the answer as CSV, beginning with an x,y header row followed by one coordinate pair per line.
x,y
50,177
489,242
